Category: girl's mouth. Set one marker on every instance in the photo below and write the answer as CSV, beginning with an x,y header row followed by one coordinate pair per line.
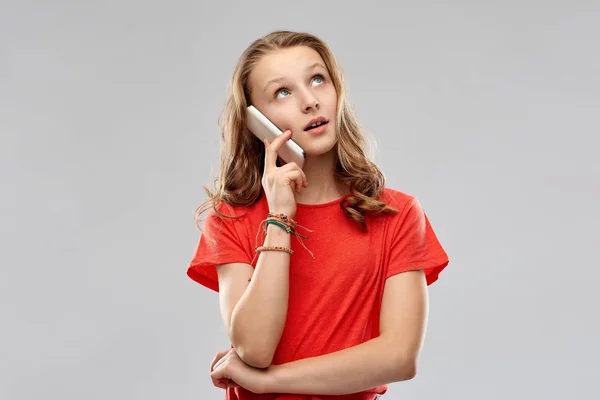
x,y
316,130
315,126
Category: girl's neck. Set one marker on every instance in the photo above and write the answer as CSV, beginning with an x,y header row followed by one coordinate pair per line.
x,y
322,185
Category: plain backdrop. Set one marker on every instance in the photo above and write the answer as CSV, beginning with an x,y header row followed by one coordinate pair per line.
x,y
487,112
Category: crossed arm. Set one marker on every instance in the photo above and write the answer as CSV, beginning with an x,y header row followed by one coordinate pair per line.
x,y
391,357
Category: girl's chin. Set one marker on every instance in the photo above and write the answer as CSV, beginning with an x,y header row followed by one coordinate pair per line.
x,y
317,151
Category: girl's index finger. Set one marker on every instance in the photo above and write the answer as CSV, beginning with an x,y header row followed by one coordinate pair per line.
x,y
272,150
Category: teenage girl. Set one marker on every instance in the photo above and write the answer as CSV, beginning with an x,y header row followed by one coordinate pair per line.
x,y
322,271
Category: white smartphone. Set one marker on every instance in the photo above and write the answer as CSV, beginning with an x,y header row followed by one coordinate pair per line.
x,y
263,128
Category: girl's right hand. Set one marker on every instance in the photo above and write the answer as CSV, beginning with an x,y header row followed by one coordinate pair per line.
x,y
221,383
280,182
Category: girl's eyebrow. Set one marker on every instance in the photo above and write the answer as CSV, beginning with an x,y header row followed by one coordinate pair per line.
x,y
278,79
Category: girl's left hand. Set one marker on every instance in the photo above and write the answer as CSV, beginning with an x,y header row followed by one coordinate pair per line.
x,y
231,366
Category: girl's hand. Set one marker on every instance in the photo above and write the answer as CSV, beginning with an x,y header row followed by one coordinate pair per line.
x,y
221,383
280,183
229,368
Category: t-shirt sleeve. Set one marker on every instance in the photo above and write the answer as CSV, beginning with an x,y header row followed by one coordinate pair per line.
x,y
221,241
414,244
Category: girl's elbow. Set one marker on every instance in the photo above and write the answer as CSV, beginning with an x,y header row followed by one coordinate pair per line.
x,y
410,372
257,359
405,368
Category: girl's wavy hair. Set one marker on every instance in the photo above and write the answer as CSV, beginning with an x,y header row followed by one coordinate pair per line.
x,y
242,154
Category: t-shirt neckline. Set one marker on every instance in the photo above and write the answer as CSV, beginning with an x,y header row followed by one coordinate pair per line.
x,y
321,205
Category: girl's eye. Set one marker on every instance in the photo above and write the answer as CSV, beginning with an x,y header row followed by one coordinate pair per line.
x,y
318,77
280,91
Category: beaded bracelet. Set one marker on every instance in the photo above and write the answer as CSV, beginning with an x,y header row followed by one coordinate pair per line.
x,y
273,248
284,219
281,216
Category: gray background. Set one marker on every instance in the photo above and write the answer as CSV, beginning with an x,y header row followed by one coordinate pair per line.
x,y
487,112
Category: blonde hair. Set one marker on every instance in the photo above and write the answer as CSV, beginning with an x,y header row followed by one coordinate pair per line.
x,y
242,155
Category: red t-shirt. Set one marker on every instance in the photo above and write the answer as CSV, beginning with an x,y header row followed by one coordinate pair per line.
x,y
334,299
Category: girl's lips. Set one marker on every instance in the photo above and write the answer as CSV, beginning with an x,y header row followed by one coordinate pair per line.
x,y
315,121
318,130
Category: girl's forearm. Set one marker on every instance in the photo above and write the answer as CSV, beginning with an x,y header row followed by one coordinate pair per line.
x,y
355,369
258,318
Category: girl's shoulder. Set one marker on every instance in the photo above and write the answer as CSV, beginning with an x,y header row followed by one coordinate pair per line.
x,y
242,212
396,198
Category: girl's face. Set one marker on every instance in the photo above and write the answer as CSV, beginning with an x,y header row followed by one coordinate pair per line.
x,y
291,87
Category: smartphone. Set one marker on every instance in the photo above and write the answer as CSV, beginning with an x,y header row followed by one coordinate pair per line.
x,y
263,128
